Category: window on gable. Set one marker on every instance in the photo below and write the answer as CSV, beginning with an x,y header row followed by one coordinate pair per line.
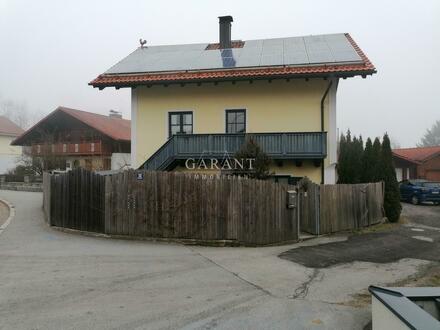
x,y
236,121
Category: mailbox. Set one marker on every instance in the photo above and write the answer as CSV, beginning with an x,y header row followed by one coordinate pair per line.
x,y
291,199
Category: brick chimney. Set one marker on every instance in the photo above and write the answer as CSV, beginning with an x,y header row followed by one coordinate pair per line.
x,y
115,114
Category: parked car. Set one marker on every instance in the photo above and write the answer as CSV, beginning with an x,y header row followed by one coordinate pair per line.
x,y
419,191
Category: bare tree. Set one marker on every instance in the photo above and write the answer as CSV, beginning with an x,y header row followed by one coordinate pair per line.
x,y
431,137
19,113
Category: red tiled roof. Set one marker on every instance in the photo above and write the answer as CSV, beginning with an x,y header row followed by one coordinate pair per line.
x,y
417,154
123,80
9,128
116,128
234,44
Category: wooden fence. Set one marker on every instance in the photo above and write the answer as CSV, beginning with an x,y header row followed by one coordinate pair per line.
x,y
76,201
205,207
171,205
327,209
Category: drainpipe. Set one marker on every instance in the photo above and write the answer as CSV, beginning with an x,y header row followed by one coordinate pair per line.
x,y
322,123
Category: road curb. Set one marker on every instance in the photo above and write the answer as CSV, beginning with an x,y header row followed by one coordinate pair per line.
x,y
11,214
183,241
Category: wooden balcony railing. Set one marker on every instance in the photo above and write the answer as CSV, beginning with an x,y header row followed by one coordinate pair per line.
x,y
87,148
307,145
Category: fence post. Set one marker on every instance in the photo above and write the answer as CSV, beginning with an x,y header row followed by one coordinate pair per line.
x,y
318,209
107,201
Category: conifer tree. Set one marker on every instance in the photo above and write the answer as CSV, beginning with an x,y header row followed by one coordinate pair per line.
x,y
392,193
367,170
376,165
252,150
350,159
357,150
342,160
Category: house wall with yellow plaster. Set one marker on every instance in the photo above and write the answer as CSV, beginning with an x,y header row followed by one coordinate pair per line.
x,y
277,106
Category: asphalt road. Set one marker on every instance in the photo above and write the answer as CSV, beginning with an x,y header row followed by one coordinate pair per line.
x,y
55,280
379,247
420,239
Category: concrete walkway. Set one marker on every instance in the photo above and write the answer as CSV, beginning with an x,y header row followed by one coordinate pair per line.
x,y
55,280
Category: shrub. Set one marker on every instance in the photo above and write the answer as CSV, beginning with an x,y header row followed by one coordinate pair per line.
x,y
251,149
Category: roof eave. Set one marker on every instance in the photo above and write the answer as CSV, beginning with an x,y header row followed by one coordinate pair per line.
x,y
416,162
127,84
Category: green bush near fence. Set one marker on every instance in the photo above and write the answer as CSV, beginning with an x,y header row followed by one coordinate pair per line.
x,y
373,163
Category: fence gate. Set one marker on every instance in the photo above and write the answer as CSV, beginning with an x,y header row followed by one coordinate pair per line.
x,y
330,208
308,208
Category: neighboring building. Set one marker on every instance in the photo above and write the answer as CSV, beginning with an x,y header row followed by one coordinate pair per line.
x,y
417,163
8,154
198,100
68,138
405,308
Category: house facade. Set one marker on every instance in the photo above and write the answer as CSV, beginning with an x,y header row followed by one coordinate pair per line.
x,y
417,163
201,101
9,155
69,138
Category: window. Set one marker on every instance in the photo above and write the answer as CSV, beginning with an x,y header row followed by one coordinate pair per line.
x,y
64,147
180,123
235,121
76,147
53,148
38,149
92,147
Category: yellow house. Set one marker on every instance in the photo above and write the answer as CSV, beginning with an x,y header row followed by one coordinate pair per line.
x,y
199,101
9,155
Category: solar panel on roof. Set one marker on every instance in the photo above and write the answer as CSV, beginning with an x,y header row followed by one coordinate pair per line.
x,y
307,50
295,58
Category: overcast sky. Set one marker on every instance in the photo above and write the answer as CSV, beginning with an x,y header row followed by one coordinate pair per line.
x,y
50,50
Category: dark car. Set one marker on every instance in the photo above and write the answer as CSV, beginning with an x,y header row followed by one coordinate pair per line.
x,y
419,191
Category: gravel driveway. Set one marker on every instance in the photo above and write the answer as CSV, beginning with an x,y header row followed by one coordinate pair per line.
x,y
424,214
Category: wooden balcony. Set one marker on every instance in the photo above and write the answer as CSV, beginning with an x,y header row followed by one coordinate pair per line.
x,y
69,149
307,145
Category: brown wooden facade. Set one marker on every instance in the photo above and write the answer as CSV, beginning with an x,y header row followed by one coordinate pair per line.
x,y
65,140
